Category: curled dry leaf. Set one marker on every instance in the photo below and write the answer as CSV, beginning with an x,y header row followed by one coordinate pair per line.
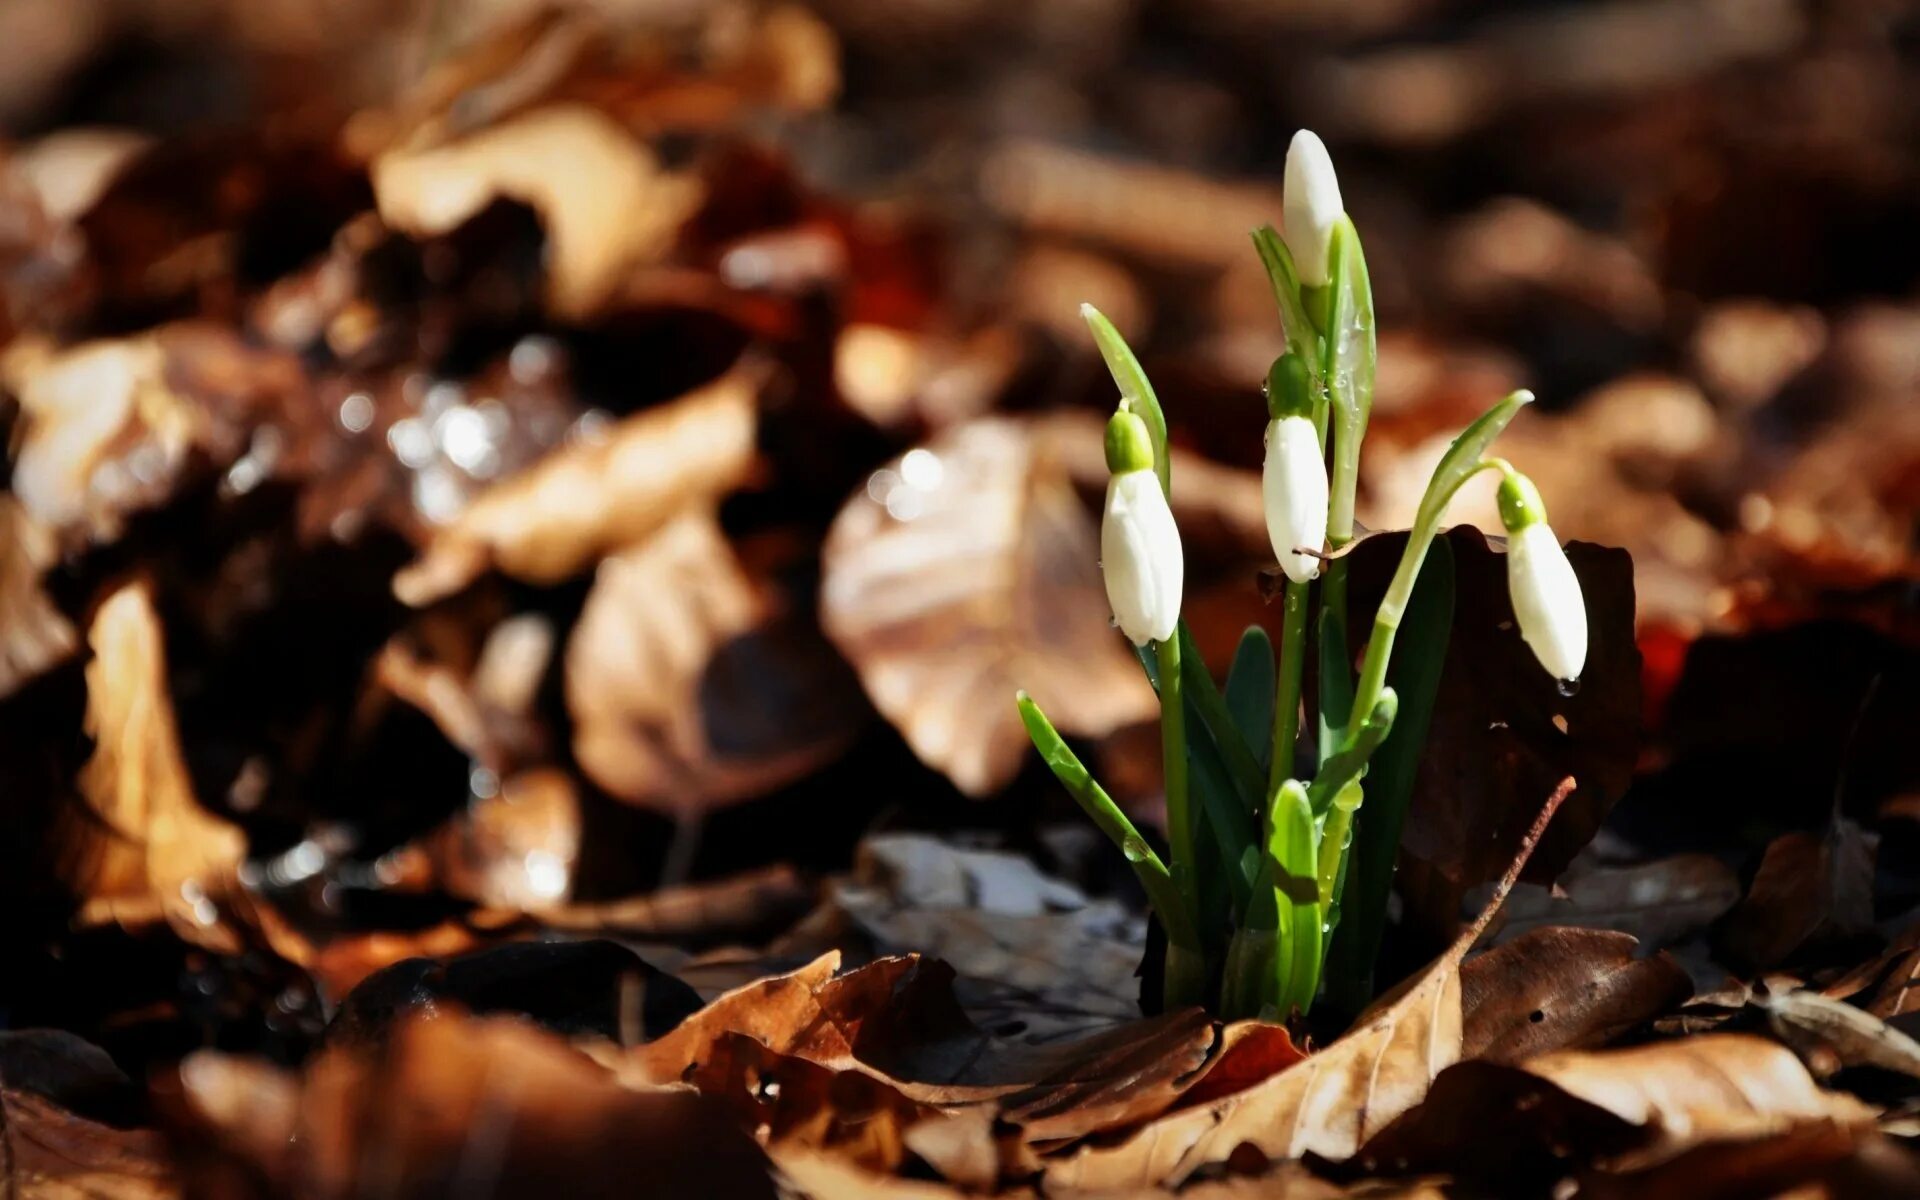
x,y
1328,1104
560,515
1889,985
50,1153
1831,1033
606,202
34,635
688,687
1560,989
964,571
154,844
442,1098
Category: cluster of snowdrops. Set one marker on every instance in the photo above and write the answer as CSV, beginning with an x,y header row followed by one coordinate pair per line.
x,y
1262,790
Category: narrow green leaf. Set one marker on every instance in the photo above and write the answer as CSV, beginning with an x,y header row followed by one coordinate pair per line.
x,y
1249,692
1335,681
1285,278
1462,459
1134,386
1347,764
1351,356
1107,817
1414,675
1218,724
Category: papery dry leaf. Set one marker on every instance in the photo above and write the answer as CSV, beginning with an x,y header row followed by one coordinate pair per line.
x,y
34,635
780,1012
1620,1108
1832,1033
966,570
560,515
49,1153
158,844
447,1096
70,168
1811,889
710,911
607,204
108,425
1328,1104
1659,903
1889,985
1064,962
688,687
1559,989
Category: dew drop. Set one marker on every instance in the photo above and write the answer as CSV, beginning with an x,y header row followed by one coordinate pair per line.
x,y
1569,687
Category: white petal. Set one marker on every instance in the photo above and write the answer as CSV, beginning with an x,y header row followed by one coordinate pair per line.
x,y
1546,601
1310,206
1141,558
1294,487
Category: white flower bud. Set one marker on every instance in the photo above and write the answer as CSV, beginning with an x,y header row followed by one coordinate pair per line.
x,y
1294,487
1310,207
1547,603
1140,557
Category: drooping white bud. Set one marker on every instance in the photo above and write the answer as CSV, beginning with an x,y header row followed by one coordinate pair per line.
x,y
1140,552
1293,485
1547,603
1310,207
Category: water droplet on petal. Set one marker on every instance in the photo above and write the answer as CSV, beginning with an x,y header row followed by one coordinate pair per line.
x,y
1569,687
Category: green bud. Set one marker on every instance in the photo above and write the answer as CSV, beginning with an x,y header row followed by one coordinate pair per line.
x,y
1289,394
1520,503
1129,445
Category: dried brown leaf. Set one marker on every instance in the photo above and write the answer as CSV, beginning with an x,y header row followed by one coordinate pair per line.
x,y
606,202
560,515
34,635
1659,903
1560,989
448,1101
964,571
154,842
1833,1033
1889,985
1812,889
688,685
49,1153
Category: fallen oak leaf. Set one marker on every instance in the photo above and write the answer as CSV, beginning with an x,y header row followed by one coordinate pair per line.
x,y
551,521
1557,989
1328,1104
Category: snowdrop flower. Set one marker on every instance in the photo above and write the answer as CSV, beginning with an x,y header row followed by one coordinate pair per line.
x,y
1293,483
1310,206
1139,542
1546,596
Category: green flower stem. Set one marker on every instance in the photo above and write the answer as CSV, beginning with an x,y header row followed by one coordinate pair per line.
x,y
1286,697
1462,461
1173,756
1093,799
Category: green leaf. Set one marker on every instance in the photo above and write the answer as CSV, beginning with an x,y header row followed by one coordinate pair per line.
x,y
1335,681
1347,764
1462,459
1351,354
1414,675
1217,722
1285,278
1106,815
1134,386
1250,684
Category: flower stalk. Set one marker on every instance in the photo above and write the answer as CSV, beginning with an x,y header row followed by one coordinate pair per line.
x,y
1256,875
